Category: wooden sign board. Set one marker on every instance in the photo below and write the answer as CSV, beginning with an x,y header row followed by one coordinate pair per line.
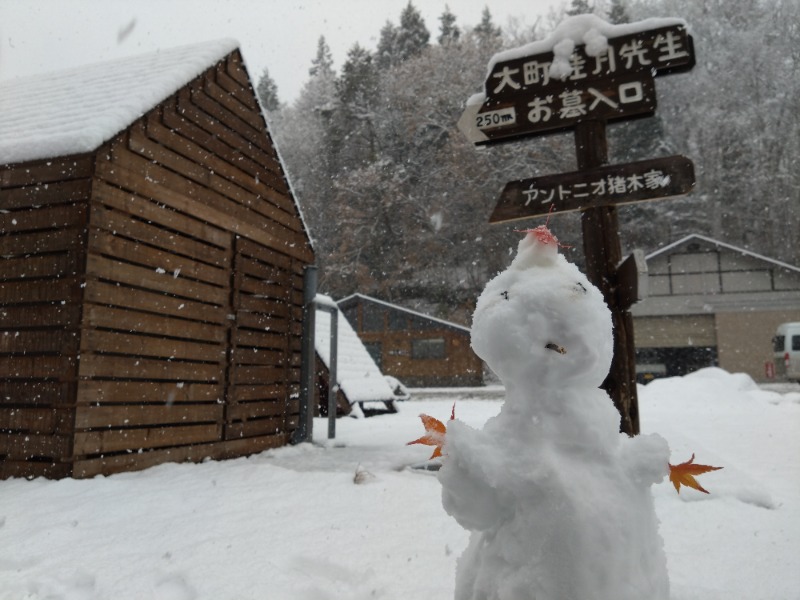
x,y
560,106
656,51
603,186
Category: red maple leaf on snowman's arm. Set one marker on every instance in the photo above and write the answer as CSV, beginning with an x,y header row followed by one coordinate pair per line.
x,y
684,474
435,432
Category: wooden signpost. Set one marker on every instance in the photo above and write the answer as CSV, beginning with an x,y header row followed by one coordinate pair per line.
x,y
521,99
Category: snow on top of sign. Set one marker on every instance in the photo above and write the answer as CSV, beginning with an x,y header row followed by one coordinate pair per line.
x,y
356,373
76,110
590,30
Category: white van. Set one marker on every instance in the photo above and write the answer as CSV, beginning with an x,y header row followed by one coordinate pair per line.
x,y
786,345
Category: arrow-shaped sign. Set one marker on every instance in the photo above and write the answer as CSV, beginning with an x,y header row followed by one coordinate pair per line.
x,y
612,185
559,106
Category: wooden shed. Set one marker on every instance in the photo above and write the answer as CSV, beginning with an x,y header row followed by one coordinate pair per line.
x,y
710,303
151,267
417,349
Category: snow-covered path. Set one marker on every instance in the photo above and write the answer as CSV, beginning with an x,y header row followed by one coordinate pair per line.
x,y
292,524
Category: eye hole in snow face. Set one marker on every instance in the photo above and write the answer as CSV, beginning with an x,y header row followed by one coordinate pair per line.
x,y
580,287
556,348
504,294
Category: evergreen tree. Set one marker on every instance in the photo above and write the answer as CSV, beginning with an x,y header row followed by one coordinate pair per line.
x,y
322,64
486,29
579,7
387,47
267,92
448,31
358,81
412,35
618,15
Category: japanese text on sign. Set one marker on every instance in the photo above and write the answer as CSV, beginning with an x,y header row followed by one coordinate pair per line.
x,y
611,185
565,105
665,49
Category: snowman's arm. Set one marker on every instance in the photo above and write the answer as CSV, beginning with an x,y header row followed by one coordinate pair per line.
x,y
646,457
467,492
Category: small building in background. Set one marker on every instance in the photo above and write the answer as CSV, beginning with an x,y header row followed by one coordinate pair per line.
x,y
362,388
712,304
151,267
419,350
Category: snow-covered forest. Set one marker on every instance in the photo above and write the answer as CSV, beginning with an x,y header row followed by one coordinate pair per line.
x,y
398,200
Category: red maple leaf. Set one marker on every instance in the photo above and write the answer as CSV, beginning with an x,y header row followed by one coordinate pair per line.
x,y
435,432
684,474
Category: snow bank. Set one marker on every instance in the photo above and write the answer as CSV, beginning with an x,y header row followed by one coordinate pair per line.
x,y
291,524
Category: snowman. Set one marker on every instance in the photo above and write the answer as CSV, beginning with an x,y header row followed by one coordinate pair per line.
x,y
557,501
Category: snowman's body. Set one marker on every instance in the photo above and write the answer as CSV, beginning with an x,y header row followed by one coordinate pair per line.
x,y
558,501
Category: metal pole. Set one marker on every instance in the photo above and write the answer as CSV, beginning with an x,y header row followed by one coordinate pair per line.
x,y
333,386
305,425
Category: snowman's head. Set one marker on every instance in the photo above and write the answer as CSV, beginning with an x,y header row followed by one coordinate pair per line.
x,y
541,322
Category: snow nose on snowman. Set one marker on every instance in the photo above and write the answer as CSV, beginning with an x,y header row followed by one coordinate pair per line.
x,y
555,348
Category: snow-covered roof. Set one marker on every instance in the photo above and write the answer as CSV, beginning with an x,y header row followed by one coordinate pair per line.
x,y
356,372
405,310
714,242
76,110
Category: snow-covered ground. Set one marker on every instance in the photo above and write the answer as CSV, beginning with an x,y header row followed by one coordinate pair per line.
x,y
351,520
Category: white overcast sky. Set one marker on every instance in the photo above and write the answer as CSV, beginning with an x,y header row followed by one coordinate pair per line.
x,y
37,36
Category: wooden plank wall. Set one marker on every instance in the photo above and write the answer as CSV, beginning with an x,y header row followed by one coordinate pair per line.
x,y
43,216
266,343
194,287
